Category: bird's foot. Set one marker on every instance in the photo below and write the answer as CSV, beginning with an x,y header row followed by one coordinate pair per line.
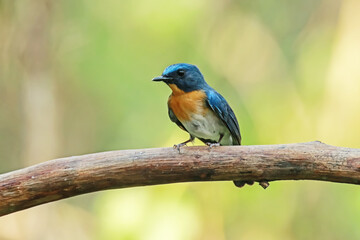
x,y
265,184
178,146
240,184
211,145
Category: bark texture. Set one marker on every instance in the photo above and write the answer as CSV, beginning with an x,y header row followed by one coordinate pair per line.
x,y
66,177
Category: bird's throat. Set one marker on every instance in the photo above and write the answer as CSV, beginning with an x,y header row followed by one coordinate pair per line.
x,y
176,91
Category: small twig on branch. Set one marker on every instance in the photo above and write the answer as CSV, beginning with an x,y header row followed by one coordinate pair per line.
x,y
68,177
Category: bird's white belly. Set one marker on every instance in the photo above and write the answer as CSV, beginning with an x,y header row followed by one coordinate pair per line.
x,y
208,127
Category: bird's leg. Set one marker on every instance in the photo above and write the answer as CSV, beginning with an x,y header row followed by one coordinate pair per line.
x,y
215,144
178,146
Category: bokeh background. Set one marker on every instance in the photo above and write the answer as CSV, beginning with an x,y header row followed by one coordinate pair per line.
x,y
75,78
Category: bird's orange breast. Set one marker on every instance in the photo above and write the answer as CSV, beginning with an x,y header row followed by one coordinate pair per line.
x,y
184,104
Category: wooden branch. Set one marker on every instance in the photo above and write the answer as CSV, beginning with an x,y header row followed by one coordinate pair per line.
x,y
71,176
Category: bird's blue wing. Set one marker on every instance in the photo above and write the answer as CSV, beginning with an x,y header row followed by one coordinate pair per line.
x,y
222,109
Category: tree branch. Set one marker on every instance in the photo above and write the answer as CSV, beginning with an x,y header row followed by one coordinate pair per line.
x,y
71,176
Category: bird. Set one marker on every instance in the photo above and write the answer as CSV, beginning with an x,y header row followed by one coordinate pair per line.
x,y
200,110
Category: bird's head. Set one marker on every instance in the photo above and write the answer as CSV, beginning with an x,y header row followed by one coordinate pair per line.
x,y
182,77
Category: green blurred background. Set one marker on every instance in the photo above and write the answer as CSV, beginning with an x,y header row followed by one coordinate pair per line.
x,y
75,78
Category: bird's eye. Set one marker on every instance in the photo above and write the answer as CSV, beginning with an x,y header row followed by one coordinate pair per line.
x,y
181,72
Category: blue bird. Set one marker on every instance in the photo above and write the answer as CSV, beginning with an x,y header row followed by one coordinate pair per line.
x,y
200,110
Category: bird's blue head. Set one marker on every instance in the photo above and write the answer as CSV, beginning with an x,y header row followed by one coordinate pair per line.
x,y
182,77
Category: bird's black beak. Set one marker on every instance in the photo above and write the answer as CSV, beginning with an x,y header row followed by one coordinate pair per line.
x,y
162,79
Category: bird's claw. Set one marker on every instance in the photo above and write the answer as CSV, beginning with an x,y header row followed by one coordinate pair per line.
x,y
240,183
211,145
178,146
265,184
